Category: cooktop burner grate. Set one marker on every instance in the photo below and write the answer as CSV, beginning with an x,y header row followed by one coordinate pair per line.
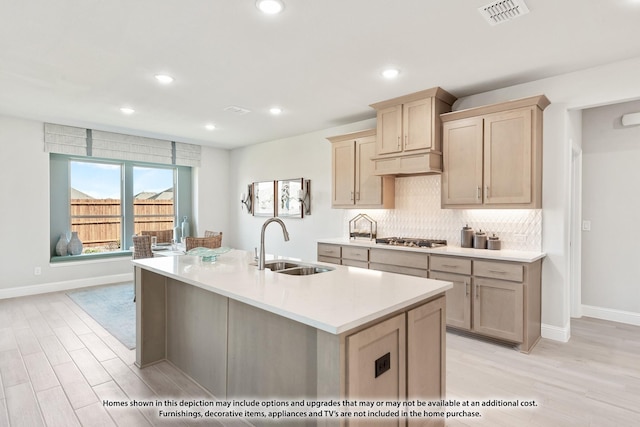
x,y
412,242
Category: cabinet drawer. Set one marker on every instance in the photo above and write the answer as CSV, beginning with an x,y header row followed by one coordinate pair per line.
x,y
329,259
399,258
355,263
409,271
355,253
450,264
327,250
499,270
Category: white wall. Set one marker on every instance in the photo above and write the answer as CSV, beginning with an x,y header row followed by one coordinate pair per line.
x,y
24,214
611,202
306,156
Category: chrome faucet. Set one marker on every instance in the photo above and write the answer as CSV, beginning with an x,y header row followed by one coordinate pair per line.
x,y
264,227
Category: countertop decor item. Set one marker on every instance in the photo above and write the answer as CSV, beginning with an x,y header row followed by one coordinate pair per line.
x,y
466,237
75,244
494,243
61,246
357,230
207,254
480,240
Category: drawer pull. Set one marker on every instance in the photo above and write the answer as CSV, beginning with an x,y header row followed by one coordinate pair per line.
x,y
450,266
466,284
497,271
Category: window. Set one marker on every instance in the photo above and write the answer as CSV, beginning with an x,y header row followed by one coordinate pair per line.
x,y
106,201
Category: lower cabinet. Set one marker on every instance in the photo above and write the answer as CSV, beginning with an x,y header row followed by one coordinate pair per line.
x,y
400,358
492,298
402,262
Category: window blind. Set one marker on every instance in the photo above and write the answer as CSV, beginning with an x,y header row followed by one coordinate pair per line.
x,y
65,139
71,140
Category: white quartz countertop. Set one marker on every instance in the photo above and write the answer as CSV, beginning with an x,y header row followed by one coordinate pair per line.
x,y
334,301
499,255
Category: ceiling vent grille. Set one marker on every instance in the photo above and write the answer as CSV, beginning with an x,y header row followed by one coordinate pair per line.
x,y
237,110
503,10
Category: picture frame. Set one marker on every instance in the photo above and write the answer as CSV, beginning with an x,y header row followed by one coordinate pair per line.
x,y
287,201
264,198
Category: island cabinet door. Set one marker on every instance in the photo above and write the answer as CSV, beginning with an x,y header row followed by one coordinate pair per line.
x,y
376,366
426,357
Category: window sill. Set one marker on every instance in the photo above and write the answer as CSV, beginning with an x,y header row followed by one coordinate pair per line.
x,y
88,258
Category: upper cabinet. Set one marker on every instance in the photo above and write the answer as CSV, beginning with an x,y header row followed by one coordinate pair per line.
x,y
492,155
409,133
353,183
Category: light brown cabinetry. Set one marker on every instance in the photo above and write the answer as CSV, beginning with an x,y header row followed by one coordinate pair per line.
x,y
492,155
402,262
329,253
353,181
492,298
409,132
355,256
401,357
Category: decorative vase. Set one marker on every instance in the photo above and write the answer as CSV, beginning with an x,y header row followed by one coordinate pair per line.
x,y
75,245
61,246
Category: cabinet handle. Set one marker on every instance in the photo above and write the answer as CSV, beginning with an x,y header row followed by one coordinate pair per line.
x,y
479,193
450,266
398,142
487,191
357,195
476,291
406,140
466,284
351,198
497,271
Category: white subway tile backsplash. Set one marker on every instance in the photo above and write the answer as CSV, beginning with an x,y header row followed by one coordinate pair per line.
x,y
418,214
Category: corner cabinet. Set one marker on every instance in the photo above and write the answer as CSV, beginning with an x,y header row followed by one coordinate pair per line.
x,y
492,155
409,133
353,182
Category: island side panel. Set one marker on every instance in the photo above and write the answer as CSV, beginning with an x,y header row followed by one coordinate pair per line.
x,y
150,317
272,357
197,334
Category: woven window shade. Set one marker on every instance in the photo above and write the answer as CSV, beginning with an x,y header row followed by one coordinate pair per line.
x,y
111,145
187,154
65,139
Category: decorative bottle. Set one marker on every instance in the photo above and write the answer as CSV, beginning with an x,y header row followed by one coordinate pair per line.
x,y
185,227
61,246
75,245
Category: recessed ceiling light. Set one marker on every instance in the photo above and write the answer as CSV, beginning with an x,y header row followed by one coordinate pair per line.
x,y
275,110
390,73
164,78
210,126
127,110
270,7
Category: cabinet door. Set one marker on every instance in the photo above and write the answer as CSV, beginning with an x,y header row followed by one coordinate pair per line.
x,y
368,187
458,299
426,357
507,157
343,183
389,130
376,365
462,168
417,124
498,308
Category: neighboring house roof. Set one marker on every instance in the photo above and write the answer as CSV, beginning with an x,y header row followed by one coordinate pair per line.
x,y
163,195
77,194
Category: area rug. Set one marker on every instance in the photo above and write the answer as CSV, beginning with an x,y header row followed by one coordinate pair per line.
x,y
112,307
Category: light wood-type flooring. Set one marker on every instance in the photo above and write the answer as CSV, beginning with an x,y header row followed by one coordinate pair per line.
x,y
57,366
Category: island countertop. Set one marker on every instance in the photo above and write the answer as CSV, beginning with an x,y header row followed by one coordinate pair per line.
x,y
335,301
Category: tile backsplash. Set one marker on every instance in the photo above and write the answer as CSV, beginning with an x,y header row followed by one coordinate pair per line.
x,y
418,214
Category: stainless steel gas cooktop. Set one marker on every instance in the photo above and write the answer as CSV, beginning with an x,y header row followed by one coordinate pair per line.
x,y
412,242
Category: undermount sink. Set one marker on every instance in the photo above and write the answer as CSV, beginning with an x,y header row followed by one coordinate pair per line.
x,y
295,269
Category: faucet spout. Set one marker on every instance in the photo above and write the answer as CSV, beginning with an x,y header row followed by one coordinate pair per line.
x,y
264,227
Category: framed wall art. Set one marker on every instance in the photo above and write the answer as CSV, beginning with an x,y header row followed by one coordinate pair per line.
x,y
288,200
263,198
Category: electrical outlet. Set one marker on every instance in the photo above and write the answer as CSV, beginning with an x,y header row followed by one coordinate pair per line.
x,y
37,271
586,225
383,364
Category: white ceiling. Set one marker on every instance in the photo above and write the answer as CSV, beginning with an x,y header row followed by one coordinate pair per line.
x,y
77,62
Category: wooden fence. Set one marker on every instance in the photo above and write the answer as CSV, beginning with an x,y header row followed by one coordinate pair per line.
x,y
98,221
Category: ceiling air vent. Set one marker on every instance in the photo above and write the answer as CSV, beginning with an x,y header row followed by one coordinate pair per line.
x,y
237,110
503,10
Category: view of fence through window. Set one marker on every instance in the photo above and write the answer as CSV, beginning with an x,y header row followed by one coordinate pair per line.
x,y
97,211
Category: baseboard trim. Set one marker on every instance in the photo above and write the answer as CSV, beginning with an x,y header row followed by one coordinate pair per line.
x,y
620,316
556,333
64,286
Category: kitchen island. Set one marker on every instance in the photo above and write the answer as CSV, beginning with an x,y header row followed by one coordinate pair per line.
x,y
240,332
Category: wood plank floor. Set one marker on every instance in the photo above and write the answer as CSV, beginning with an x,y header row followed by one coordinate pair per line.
x,y
57,366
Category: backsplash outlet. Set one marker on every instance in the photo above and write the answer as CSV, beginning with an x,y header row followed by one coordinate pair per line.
x,y
418,214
